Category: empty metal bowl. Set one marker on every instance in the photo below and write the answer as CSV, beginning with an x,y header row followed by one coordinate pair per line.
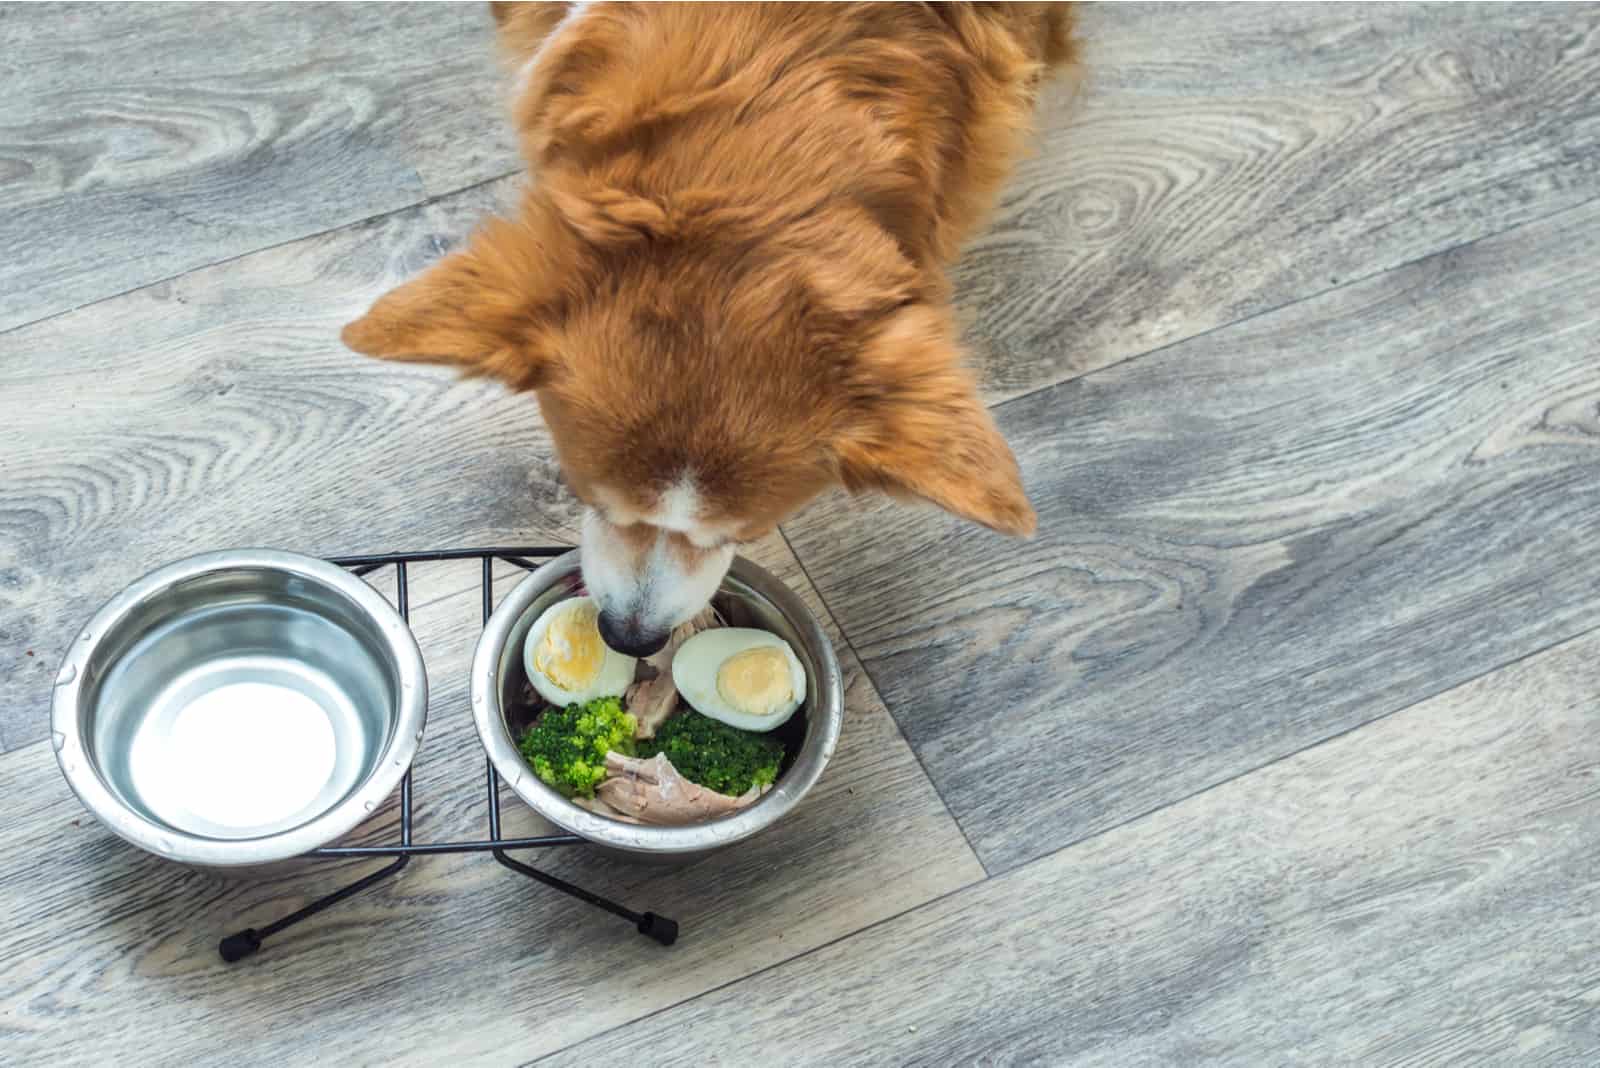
x,y
239,708
749,597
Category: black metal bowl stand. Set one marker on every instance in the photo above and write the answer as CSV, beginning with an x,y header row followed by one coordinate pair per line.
x,y
243,943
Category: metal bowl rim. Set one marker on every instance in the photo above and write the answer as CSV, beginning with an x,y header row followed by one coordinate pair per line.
x,y
666,841
394,760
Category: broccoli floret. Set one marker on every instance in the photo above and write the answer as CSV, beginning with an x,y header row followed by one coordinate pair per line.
x,y
567,746
715,755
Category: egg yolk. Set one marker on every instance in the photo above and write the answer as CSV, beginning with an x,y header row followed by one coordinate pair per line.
x,y
571,652
756,681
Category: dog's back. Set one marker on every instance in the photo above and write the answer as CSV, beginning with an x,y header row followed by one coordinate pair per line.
x,y
914,112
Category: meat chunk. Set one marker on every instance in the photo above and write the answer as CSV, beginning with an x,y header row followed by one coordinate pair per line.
x,y
600,808
652,791
653,700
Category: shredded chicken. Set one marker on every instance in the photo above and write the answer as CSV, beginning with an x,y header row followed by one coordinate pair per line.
x,y
652,791
652,701
600,808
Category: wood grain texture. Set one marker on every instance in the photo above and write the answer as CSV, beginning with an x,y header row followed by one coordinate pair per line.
x,y
219,409
1250,542
1228,159
1421,891
1254,541
141,141
457,959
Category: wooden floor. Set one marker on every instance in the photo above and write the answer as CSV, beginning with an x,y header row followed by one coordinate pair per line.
x,y
1279,745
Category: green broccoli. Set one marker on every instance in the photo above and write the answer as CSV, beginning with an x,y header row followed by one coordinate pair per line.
x,y
715,755
567,746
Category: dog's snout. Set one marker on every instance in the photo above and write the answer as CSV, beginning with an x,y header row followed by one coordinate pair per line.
x,y
630,637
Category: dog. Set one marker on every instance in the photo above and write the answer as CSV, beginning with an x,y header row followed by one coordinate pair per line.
x,y
726,283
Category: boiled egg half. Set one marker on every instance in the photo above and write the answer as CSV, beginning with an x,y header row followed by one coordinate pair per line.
x,y
746,678
566,660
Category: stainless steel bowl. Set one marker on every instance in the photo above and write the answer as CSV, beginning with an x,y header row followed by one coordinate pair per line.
x,y
749,596
239,708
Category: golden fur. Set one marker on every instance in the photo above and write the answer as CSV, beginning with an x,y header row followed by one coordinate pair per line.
x,y
730,264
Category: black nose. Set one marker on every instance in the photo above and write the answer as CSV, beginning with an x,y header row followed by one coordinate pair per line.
x,y
629,637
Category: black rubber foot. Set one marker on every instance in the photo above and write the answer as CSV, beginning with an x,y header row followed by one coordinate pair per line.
x,y
660,928
237,947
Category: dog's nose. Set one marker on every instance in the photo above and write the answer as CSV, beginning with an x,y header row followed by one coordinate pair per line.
x,y
630,638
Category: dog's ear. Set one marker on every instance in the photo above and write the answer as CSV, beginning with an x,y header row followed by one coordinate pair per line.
x,y
916,427
477,310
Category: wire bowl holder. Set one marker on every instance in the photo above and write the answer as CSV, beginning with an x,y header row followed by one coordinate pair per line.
x,y
241,944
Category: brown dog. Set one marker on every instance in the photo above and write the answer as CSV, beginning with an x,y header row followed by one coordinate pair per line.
x,y
726,284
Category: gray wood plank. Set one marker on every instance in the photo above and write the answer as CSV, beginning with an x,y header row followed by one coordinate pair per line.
x,y
1421,891
219,409
1229,159
457,960
1249,542
141,141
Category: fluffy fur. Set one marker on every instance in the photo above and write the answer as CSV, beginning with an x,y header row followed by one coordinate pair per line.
x,y
726,284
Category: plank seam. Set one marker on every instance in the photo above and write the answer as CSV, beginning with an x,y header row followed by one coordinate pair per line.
x,y
310,235
1052,854
867,672
1131,357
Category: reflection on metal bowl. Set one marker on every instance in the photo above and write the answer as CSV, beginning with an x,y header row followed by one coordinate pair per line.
x,y
750,597
239,708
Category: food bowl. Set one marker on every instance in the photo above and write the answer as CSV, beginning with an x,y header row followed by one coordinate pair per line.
x,y
749,597
238,709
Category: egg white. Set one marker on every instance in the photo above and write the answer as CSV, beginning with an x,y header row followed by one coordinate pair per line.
x,y
612,680
695,667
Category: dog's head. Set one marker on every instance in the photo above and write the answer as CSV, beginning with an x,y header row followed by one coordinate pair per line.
x,y
703,377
